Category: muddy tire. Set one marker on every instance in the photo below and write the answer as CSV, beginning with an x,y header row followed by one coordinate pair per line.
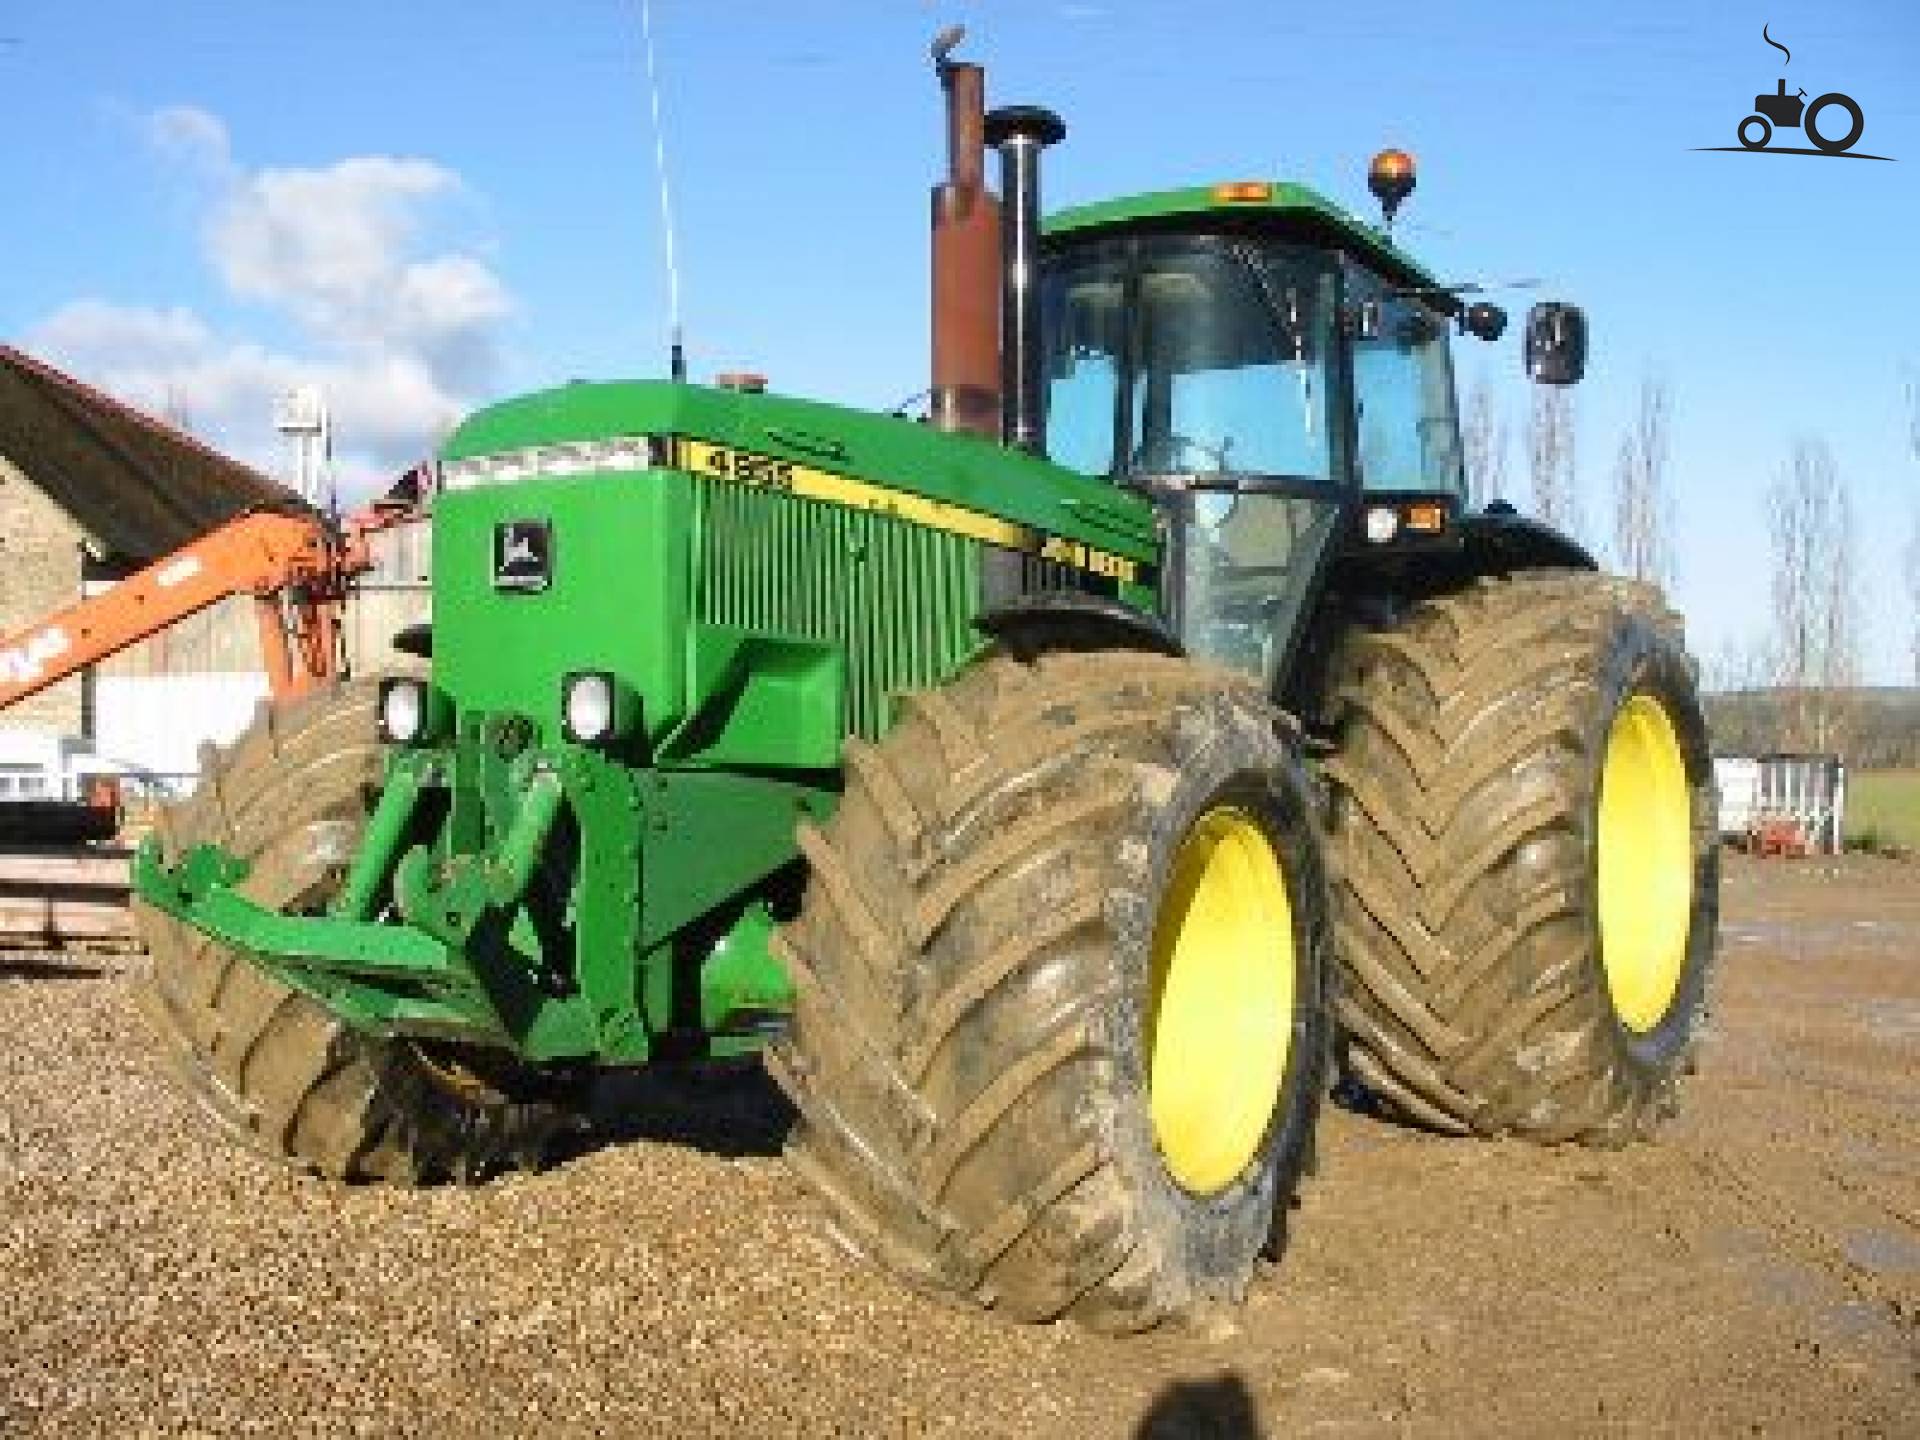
x,y
1000,969
1516,957
275,1070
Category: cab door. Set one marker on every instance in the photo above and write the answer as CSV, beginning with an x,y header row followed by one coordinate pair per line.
x,y
1199,369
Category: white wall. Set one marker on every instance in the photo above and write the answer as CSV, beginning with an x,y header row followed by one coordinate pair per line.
x,y
1809,790
1739,782
155,724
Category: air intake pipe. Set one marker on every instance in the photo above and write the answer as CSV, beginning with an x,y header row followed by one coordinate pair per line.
x,y
1020,133
966,260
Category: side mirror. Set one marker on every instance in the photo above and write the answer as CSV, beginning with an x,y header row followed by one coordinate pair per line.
x,y
1484,321
1556,346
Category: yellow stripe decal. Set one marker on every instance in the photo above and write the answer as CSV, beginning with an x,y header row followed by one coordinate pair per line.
x,y
767,472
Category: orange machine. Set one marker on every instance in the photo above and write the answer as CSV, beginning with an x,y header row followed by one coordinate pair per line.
x,y
295,566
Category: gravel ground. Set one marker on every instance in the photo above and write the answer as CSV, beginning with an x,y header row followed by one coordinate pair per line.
x,y
1757,1271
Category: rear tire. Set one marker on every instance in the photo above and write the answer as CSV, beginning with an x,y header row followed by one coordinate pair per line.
x,y
275,1070
1839,144
1474,900
991,977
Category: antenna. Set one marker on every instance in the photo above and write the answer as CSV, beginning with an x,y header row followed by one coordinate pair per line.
x,y
677,351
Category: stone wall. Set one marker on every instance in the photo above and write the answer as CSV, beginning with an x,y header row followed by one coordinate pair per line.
x,y
39,573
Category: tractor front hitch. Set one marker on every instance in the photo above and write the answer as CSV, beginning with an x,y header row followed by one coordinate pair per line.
x,y
203,891
420,976
553,904
426,940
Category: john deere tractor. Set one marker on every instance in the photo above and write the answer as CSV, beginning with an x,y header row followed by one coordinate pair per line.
x,y
1055,787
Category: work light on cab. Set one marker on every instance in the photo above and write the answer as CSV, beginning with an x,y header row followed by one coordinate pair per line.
x,y
1243,192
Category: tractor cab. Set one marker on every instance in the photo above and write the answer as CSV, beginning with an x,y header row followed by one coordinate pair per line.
x,y
1273,374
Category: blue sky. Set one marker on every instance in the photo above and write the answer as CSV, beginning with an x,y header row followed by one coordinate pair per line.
x,y
426,204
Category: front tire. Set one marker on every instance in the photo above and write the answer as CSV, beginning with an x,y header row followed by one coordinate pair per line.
x,y
1060,1031
273,1069
1523,830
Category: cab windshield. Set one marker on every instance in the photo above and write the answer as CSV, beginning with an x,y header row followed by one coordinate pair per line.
x,y
1227,374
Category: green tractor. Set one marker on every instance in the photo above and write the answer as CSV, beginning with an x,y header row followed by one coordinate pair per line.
x,y
1055,788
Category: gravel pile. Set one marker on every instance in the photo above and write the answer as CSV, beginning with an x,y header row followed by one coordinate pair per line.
x,y
155,1280
155,1277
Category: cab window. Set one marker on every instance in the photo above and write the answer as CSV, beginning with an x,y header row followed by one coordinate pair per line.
x,y
1407,432
1084,321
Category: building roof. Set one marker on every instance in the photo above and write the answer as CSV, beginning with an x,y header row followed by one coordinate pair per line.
x,y
138,487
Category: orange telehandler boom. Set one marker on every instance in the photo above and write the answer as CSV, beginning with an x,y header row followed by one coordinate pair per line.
x,y
295,566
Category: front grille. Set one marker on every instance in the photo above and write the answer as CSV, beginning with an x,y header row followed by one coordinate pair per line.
x,y
898,598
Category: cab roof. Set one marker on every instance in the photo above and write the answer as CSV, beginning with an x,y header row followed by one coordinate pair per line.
x,y
1278,207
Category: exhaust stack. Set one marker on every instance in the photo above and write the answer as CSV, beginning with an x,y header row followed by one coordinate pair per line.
x,y
1020,133
966,259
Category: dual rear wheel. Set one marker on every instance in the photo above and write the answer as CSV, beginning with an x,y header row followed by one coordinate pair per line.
x,y
1524,827
1065,970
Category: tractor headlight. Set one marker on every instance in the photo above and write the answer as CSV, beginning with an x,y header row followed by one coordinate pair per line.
x,y
588,710
595,708
1383,523
403,711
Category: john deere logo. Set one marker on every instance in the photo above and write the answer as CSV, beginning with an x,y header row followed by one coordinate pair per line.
x,y
522,555
1833,121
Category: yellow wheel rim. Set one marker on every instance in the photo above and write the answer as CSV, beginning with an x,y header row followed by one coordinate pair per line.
x,y
1645,863
1220,1003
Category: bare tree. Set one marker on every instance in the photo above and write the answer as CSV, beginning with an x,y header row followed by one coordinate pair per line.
x,y
1912,557
1816,637
1550,438
1741,666
1745,711
1913,593
1640,487
1483,444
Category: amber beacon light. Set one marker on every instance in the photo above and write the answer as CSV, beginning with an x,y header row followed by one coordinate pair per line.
x,y
1390,177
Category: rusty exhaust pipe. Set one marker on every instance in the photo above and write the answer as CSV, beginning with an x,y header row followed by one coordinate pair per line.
x,y
966,259
1020,133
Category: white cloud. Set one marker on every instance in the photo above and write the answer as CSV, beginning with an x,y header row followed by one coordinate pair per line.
x,y
401,336
388,406
192,137
324,242
135,338
335,248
